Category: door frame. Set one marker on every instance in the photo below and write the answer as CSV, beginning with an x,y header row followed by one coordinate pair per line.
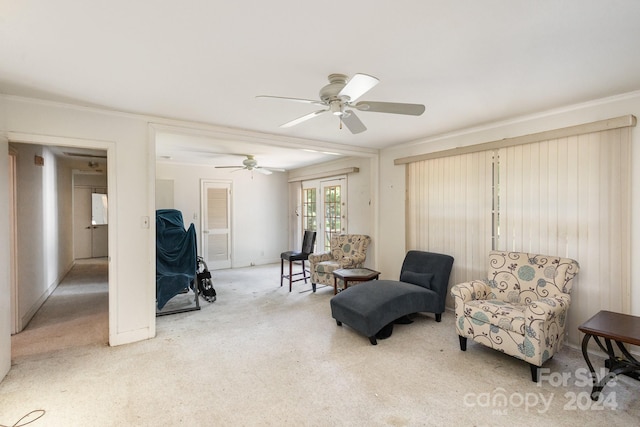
x,y
110,148
13,242
320,185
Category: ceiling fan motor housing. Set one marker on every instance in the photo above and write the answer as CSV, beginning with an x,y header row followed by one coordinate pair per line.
x,y
330,92
250,162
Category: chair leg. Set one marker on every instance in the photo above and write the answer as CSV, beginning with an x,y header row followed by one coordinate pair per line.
x,y
281,271
534,372
313,286
438,317
373,340
290,273
304,273
463,343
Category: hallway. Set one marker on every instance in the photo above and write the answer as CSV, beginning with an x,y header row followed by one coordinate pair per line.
x,y
75,314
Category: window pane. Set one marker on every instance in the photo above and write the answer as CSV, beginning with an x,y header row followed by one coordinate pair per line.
x,y
309,209
332,209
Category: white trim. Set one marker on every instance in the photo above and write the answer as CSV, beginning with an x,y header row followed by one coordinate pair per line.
x,y
231,134
150,289
184,127
328,174
16,323
5,299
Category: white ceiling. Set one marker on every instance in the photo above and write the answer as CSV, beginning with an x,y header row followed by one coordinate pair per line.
x,y
470,62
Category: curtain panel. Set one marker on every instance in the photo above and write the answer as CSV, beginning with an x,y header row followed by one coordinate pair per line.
x,y
568,196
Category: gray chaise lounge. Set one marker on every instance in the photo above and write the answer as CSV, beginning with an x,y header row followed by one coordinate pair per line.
x,y
371,306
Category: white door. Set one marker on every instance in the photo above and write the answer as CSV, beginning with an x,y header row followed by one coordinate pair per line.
x,y
334,209
89,240
216,224
82,245
99,226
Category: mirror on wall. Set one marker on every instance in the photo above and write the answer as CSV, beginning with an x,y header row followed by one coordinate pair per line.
x,y
98,209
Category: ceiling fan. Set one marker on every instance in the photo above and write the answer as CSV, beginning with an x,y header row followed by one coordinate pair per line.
x,y
341,94
250,163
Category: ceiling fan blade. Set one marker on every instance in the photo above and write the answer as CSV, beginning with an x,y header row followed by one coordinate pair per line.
x,y
230,167
262,171
302,119
390,107
358,85
304,101
272,169
352,122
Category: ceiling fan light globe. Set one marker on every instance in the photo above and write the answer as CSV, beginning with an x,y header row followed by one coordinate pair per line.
x,y
336,107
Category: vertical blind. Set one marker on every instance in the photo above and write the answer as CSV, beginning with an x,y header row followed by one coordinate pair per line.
x,y
449,210
567,197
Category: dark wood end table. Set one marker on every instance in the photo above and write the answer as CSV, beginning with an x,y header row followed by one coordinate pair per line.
x,y
621,328
353,275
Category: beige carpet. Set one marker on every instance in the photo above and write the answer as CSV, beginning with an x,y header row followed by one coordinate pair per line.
x,y
260,355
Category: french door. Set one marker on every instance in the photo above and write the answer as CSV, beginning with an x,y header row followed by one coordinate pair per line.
x,y
325,209
216,224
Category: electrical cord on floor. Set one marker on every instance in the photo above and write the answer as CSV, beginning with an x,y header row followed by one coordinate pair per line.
x,y
40,413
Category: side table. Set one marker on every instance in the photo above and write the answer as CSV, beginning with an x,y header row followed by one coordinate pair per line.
x,y
353,275
621,328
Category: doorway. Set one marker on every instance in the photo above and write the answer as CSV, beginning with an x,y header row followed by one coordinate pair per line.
x,y
42,195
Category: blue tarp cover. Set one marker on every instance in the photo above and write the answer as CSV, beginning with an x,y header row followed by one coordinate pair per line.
x,y
176,255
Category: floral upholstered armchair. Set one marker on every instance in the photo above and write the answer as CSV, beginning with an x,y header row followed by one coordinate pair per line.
x,y
347,251
521,309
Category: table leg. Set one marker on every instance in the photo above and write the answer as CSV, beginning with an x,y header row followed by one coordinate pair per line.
x,y
626,353
594,376
616,365
624,366
335,285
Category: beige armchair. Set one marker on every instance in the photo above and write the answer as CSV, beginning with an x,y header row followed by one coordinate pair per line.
x,y
520,309
347,251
